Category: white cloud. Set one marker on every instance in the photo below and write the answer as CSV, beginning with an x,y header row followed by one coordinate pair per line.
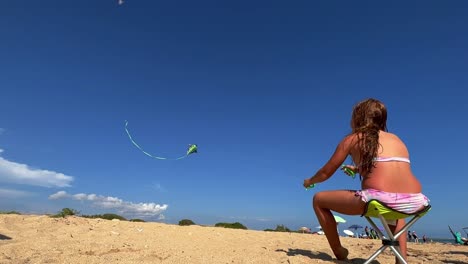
x,y
123,207
58,195
18,173
13,194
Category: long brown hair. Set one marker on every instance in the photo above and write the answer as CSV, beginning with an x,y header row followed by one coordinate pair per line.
x,y
369,117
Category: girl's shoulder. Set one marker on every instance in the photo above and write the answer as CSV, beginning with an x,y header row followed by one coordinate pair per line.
x,y
352,138
349,139
350,142
389,136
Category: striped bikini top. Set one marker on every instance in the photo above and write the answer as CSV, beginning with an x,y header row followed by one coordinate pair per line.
x,y
384,159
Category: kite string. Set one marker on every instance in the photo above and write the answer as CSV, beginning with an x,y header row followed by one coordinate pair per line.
x,y
138,146
192,147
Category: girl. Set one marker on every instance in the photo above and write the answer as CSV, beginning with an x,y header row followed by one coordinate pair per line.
x,y
382,160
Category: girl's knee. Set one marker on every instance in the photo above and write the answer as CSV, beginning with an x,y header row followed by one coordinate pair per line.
x,y
318,198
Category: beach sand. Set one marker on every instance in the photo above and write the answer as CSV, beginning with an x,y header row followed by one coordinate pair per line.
x,y
42,239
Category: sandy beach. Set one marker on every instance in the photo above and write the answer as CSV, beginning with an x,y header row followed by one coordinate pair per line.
x,y
42,239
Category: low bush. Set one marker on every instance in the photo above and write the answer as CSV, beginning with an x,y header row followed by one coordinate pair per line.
x,y
235,225
9,212
279,228
186,222
66,212
106,216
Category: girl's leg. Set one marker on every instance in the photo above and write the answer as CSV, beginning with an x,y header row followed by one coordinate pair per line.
x,y
344,202
402,239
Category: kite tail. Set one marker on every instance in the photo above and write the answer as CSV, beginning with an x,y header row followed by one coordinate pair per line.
x,y
142,150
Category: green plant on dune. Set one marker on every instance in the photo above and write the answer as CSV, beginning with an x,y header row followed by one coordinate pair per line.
x,y
66,212
9,212
113,216
186,222
279,228
282,228
106,216
235,225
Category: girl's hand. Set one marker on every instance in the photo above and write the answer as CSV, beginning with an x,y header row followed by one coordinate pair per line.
x,y
345,169
307,183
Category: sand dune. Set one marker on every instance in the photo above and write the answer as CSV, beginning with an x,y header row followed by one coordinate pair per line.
x,y
42,239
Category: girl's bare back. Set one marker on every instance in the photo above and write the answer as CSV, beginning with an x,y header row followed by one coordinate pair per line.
x,y
391,176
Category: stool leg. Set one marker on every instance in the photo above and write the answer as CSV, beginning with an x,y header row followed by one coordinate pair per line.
x,y
377,230
380,250
397,253
386,227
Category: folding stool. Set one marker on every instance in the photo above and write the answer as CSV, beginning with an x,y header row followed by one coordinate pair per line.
x,y
377,209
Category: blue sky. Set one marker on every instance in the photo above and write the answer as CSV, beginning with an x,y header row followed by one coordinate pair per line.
x,y
264,88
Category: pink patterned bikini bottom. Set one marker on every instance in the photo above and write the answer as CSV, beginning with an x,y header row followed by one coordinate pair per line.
x,y
403,202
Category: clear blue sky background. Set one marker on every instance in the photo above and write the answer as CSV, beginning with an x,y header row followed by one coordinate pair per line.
x,y
265,88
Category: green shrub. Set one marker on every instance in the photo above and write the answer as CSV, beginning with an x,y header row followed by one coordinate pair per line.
x,y
90,216
106,216
113,216
66,212
9,212
137,220
186,222
282,228
279,228
235,225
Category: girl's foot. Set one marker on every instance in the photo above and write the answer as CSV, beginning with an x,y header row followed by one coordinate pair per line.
x,y
341,254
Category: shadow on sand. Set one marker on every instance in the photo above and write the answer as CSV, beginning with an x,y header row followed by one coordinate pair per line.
x,y
322,256
459,252
3,237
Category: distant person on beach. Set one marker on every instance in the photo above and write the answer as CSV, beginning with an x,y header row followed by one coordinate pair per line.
x,y
415,237
409,236
382,160
424,238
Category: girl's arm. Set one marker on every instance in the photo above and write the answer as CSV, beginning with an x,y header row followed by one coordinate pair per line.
x,y
339,156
